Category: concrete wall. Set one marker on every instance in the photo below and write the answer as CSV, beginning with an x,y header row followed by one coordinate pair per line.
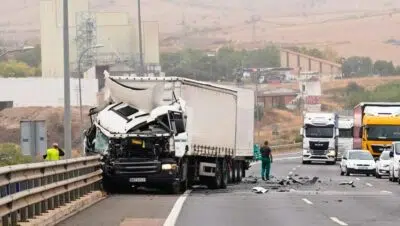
x,y
46,91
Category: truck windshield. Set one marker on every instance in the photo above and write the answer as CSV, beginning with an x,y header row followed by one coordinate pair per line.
x,y
346,133
319,131
375,132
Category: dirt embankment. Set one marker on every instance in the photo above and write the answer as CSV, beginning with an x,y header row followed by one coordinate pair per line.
x,y
10,123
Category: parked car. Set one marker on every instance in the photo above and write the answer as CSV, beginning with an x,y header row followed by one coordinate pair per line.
x,y
394,162
357,162
382,165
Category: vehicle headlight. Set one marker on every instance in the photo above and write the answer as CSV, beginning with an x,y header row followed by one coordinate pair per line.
x,y
306,151
169,166
332,152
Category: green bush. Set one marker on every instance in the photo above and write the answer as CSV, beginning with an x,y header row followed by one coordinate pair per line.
x,y
387,92
298,139
10,154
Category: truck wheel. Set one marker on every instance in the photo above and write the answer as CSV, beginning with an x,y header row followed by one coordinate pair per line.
x,y
215,182
225,172
230,172
175,188
108,187
239,171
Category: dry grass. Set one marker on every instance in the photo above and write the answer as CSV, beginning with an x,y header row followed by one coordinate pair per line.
x,y
351,27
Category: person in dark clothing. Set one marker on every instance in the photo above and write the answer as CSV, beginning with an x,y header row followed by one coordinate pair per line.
x,y
266,160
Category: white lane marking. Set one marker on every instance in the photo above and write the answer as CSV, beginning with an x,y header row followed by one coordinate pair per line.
x,y
357,178
174,214
307,201
388,192
368,184
336,220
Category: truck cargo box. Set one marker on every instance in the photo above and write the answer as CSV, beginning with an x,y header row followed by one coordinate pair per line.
x,y
218,117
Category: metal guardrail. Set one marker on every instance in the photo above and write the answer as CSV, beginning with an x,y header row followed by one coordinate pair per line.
x,y
285,146
28,190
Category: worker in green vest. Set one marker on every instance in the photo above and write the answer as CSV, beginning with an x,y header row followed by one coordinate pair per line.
x,y
54,153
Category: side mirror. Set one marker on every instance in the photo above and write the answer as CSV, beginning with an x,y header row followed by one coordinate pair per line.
x,y
360,132
391,154
345,158
301,131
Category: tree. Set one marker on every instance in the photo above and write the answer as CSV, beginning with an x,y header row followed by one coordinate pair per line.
x,y
31,57
10,154
14,68
383,67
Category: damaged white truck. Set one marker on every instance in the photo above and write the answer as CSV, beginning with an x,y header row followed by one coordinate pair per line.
x,y
171,133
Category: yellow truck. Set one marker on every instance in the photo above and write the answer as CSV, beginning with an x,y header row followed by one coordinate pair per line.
x,y
376,126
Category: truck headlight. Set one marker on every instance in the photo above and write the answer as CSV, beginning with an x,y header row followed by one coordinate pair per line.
x,y
332,152
169,166
306,151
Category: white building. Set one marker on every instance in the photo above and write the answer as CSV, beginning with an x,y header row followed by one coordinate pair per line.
x,y
114,30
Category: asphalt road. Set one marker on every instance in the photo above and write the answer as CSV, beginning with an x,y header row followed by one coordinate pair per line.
x,y
371,202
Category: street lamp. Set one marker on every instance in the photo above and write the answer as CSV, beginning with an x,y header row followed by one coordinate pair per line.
x,y
23,49
79,81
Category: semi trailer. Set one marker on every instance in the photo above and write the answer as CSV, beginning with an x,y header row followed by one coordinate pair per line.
x,y
171,133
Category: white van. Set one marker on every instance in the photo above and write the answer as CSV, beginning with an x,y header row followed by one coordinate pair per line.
x,y
394,162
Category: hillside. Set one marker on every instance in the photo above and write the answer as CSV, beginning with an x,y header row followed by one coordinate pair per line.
x,y
209,24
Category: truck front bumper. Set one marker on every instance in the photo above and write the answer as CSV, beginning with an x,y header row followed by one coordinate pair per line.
x,y
157,180
319,158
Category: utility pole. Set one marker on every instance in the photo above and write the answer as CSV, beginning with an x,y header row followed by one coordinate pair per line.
x,y
140,38
254,19
67,102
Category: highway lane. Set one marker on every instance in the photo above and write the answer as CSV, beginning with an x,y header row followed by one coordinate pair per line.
x,y
371,202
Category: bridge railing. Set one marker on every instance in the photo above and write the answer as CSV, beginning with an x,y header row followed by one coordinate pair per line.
x,y
28,190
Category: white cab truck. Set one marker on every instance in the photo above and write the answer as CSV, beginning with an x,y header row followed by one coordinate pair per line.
x,y
320,137
171,133
345,140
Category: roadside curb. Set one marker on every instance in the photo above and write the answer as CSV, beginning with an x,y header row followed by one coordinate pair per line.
x,y
55,216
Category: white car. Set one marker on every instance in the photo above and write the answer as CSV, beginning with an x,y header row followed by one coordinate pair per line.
x,y
357,162
382,165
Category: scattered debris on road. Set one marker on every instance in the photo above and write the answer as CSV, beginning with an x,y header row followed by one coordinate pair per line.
x,y
260,190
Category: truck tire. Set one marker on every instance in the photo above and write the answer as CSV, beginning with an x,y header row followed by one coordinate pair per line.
x,y
215,182
230,172
108,187
174,188
233,171
238,171
225,174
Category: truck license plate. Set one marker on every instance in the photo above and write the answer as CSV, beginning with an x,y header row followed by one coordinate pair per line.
x,y
137,180
363,167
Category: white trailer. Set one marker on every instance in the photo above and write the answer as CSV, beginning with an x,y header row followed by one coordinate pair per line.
x,y
185,132
345,140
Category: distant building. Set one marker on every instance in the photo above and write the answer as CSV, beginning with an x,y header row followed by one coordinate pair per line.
x,y
116,31
276,98
302,62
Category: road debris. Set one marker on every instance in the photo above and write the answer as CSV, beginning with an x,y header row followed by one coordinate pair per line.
x,y
347,183
260,190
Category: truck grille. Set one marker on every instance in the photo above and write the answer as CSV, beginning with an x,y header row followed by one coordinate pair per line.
x,y
126,166
319,152
319,145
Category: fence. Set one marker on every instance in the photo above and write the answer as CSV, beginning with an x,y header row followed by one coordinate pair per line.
x,y
28,190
